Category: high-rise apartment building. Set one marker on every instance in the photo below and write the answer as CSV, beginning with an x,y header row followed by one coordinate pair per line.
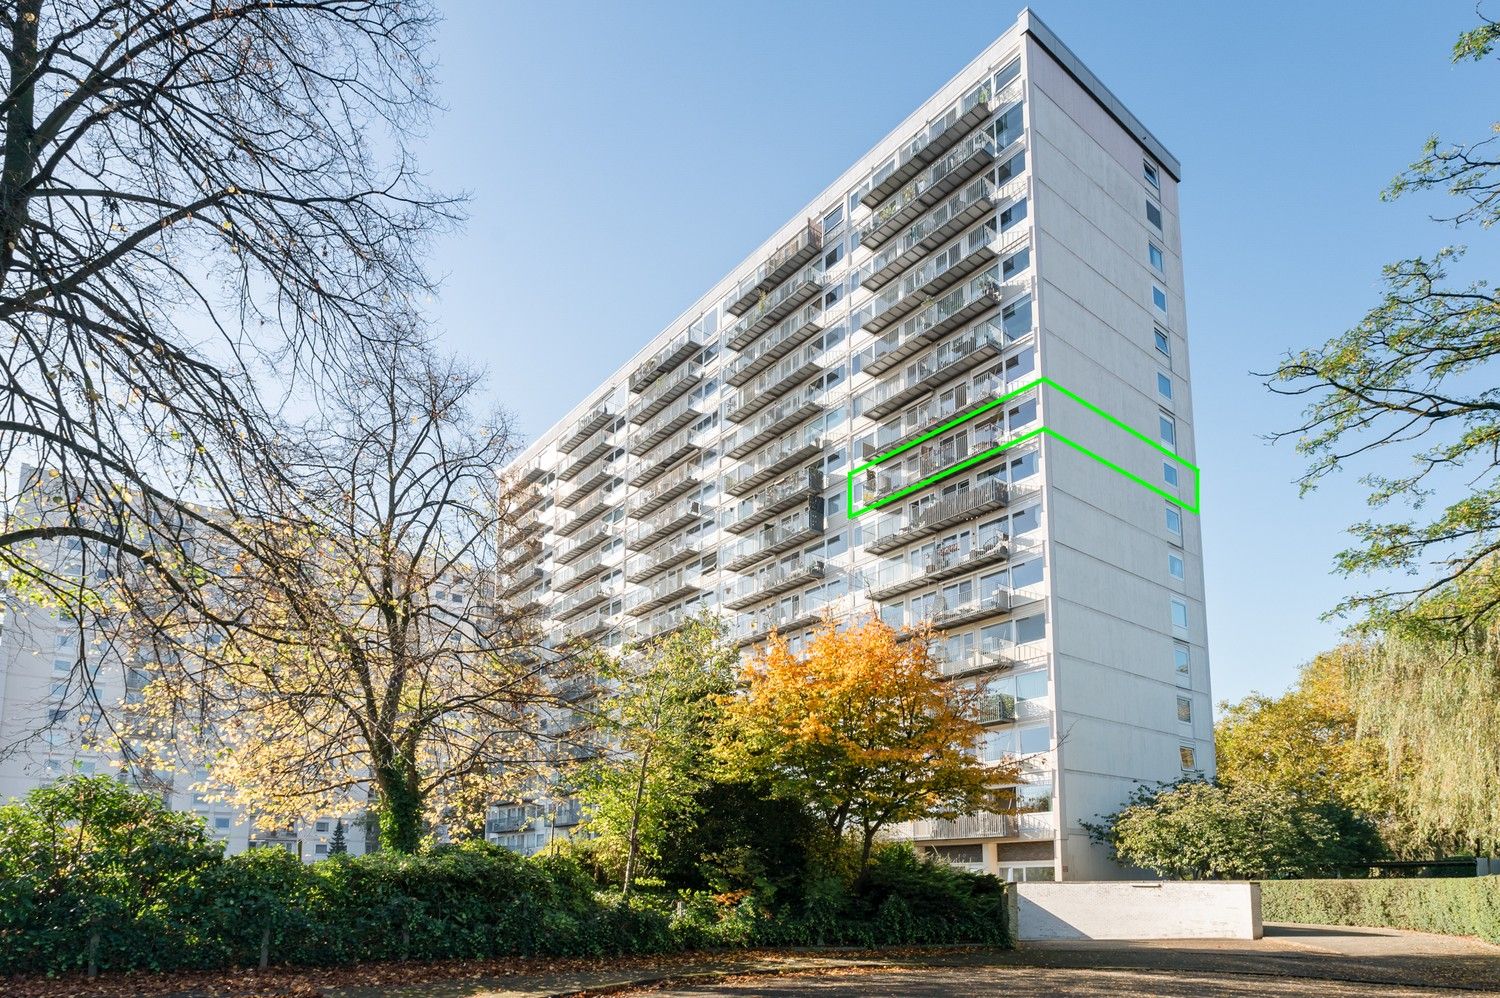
x,y
795,446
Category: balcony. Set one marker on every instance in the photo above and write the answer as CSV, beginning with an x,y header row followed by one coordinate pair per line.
x,y
597,417
918,287
675,552
673,418
661,624
959,306
777,306
788,335
966,504
532,473
684,345
515,557
919,378
777,498
663,491
585,599
790,531
526,500
778,267
1025,825
765,465
583,516
939,136
1002,708
755,627
774,422
665,391
773,384
976,662
772,582
670,588
969,611
527,528
586,628
578,573
934,230
584,543
922,194
893,580
664,457
595,475
522,580
678,516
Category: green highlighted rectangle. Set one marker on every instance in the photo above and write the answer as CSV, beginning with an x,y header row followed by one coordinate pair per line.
x,y
974,459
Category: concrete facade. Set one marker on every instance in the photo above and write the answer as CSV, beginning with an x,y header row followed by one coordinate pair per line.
x,y
1021,223
1150,910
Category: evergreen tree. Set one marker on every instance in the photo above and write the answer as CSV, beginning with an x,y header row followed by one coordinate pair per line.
x,y
339,845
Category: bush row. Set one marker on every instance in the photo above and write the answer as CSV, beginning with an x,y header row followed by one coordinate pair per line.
x,y
1462,906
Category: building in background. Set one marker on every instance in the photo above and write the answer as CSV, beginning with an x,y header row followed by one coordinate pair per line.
x,y
1021,223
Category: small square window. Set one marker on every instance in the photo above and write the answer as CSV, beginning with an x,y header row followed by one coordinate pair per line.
x,y
1179,614
1153,213
1163,344
1159,299
1164,385
1174,519
1169,473
1185,710
1187,757
321,826
1155,255
1175,566
321,849
1151,176
223,824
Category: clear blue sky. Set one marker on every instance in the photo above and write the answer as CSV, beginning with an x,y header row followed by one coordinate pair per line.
x,y
622,157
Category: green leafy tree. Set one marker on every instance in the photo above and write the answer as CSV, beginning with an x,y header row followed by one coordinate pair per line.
x,y
1413,384
655,720
1194,830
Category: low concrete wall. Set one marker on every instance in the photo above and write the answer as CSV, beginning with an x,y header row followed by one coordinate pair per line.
x,y
1136,910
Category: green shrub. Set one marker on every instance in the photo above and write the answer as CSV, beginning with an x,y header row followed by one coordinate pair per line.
x,y
1461,906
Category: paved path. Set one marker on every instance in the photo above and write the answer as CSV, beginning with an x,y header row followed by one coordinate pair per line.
x,y
1291,961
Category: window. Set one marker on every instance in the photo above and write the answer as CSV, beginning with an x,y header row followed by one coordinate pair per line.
x,y
1163,344
1164,385
1031,629
1183,662
1034,739
1174,519
970,854
1169,473
1158,260
1187,757
1179,614
1159,299
222,824
321,826
1184,710
1153,213
321,849
1151,176
1168,428
1175,566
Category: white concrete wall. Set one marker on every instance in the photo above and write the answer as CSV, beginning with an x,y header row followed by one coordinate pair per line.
x,y
1136,910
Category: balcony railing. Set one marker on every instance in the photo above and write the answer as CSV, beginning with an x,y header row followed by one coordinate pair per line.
x,y
1025,825
942,134
583,516
678,516
776,498
578,573
522,580
775,421
676,585
788,615
1003,708
976,661
587,628
893,580
532,472
664,457
789,334
584,543
677,551
586,452
924,374
662,491
775,538
671,419
768,311
584,599
597,417
685,344
595,475
934,230
919,286
778,267
766,464
660,624
928,325
772,581
770,386
664,391
923,194
896,530
916,465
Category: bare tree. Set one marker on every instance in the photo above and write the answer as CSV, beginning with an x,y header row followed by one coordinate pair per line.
x,y
200,200
370,656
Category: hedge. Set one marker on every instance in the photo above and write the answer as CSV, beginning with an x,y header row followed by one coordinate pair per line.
x,y
1460,906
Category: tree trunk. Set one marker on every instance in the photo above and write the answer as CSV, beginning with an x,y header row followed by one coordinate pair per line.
x,y
20,147
635,823
400,805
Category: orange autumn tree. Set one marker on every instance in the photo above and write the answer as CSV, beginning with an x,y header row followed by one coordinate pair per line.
x,y
862,729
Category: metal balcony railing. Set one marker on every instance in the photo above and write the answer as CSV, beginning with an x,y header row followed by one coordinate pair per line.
x,y
1030,825
924,193
585,542
583,515
597,417
789,334
775,421
773,538
933,230
895,530
921,376
788,615
771,461
895,579
776,498
773,384
772,581
663,457
686,344
661,624
674,417
578,573
662,491
676,585
921,285
656,560
678,516
982,294
584,599
780,265
796,292
664,391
